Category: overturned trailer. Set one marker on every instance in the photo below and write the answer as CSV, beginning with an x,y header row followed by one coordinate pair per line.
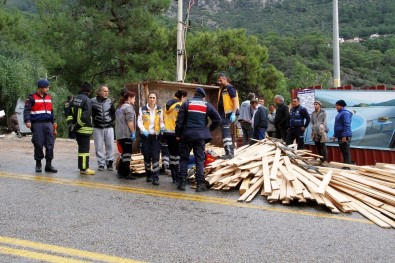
x,y
166,91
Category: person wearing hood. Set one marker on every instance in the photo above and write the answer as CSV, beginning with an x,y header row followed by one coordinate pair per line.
x,y
103,116
319,129
342,130
193,132
170,117
81,119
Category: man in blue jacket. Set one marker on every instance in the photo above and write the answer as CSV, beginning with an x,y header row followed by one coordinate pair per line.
x,y
343,131
193,133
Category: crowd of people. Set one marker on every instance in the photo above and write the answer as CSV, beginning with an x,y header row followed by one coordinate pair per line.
x,y
184,125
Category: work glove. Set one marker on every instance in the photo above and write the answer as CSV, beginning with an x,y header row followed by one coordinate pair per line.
x,y
233,117
133,136
162,130
146,133
55,127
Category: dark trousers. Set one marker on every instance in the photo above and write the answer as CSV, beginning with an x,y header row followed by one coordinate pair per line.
x,y
247,132
272,134
281,134
198,148
321,150
259,134
345,149
226,136
295,133
151,152
43,137
165,153
126,157
84,143
174,150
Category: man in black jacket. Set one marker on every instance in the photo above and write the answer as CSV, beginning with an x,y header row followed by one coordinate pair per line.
x,y
81,119
193,133
259,121
103,116
299,119
281,119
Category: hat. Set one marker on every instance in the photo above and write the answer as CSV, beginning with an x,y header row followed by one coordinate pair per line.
x,y
341,103
200,90
43,83
318,102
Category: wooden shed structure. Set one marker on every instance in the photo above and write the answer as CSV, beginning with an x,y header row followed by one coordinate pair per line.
x,y
166,91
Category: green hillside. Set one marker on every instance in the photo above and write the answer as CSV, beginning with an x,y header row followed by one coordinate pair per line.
x,y
295,17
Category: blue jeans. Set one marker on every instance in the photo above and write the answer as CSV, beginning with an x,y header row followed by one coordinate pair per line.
x,y
259,133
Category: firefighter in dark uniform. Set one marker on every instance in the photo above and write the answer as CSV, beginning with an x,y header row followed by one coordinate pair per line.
x,y
81,119
66,109
169,117
150,122
228,108
299,119
193,133
39,116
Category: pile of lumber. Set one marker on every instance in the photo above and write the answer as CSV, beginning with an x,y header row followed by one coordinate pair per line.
x,y
283,174
137,164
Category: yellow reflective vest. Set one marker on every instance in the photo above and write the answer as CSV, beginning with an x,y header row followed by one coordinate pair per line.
x,y
227,100
170,116
146,118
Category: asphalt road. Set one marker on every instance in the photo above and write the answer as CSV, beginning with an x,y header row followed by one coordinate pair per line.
x,y
68,218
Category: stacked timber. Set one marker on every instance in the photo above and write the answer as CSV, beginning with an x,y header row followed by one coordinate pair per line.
x,y
282,174
137,164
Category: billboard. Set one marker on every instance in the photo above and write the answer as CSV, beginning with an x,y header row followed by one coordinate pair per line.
x,y
373,118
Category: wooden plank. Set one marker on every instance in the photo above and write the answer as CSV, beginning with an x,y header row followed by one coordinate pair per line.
x,y
298,186
286,173
267,187
365,168
274,185
325,182
276,162
255,187
249,199
245,185
283,189
369,183
274,196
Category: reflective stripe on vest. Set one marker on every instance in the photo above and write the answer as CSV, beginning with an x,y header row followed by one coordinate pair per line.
x,y
41,105
147,118
227,100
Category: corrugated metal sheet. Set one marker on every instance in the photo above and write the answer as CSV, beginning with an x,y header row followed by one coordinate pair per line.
x,y
361,156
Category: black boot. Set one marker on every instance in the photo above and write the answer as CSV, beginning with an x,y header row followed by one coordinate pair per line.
x,y
49,167
39,167
201,187
155,182
181,184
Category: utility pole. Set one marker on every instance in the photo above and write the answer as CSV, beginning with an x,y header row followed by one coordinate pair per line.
x,y
336,47
180,44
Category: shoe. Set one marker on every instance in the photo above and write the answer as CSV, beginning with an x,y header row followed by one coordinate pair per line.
x,y
181,186
131,177
149,180
49,168
19,135
39,167
201,187
227,157
120,176
109,166
87,172
101,168
155,182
